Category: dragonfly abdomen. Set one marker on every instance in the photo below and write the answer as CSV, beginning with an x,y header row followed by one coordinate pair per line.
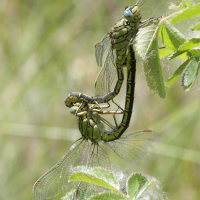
x,y
75,97
130,89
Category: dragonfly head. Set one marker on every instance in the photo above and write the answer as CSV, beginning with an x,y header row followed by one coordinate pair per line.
x,y
132,14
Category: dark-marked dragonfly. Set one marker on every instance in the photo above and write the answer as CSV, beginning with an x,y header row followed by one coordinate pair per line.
x,y
114,48
96,131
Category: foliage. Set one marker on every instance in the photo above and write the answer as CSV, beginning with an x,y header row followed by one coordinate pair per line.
x,y
46,52
175,45
137,185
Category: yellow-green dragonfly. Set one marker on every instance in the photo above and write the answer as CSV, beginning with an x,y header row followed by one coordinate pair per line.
x,y
95,131
114,47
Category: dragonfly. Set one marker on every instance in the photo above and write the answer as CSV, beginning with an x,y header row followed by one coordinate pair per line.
x,y
96,131
113,47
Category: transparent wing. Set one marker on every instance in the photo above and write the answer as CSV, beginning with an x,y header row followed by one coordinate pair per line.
x,y
101,47
146,7
54,180
134,146
106,76
98,157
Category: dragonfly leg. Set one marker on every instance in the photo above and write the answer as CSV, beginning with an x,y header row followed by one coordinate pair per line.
x,y
80,113
107,123
106,106
100,106
81,105
115,120
108,111
146,21
118,105
116,112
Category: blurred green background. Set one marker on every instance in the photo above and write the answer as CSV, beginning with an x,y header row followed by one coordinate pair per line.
x,y
46,52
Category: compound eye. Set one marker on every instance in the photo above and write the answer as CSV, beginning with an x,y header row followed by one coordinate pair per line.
x,y
73,109
128,14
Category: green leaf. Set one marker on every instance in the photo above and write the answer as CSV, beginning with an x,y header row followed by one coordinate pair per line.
x,y
109,196
145,36
177,73
191,74
97,176
196,27
187,13
188,45
193,53
145,187
147,47
135,183
170,36
163,52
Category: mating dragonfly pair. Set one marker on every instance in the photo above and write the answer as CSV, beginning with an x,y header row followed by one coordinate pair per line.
x,y
116,47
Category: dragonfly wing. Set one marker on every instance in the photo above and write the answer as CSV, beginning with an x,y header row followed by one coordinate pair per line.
x,y
146,7
56,179
134,146
106,76
100,49
98,157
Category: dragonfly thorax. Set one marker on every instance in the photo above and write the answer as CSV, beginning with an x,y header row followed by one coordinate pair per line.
x,y
91,127
121,34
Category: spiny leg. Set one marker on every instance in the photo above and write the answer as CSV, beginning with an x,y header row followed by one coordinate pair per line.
x,y
146,21
119,107
107,123
100,107
79,112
